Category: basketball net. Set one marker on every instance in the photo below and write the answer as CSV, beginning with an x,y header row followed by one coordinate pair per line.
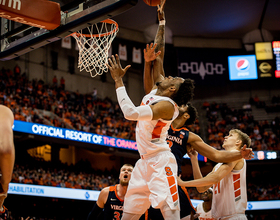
x,y
94,46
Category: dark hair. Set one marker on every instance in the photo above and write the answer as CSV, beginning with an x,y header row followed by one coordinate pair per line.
x,y
191,110
184,93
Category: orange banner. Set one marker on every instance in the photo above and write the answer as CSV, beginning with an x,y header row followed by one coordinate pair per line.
x,y
38,13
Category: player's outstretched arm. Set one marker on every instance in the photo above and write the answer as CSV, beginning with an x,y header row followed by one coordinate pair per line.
x,y
211,178
7,150
155,52
195,167
158,70
116,70
130,111
160,36
218,156
149,56
154,72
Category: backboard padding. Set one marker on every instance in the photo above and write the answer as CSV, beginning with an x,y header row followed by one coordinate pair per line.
x,y
76,21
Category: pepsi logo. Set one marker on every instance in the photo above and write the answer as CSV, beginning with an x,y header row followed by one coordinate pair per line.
x,y
242,64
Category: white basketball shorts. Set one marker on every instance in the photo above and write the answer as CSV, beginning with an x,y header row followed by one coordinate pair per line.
x,y
153,182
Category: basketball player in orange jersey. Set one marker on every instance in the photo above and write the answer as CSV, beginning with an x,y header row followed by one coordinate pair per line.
x,y
228,180
7,155
178,135
111,198
153,180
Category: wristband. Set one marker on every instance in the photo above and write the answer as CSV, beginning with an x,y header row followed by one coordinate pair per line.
x,y
162,22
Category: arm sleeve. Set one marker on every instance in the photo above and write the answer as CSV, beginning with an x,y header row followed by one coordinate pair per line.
x,y
95,212
140,113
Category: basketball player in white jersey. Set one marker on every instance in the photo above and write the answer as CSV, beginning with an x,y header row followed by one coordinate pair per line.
x,y
153,180
153,73
228,181
204,208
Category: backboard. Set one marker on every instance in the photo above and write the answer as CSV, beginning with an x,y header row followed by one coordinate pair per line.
x,y
18,39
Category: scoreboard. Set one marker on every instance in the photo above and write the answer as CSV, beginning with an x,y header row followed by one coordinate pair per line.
x,y
276,51
266,155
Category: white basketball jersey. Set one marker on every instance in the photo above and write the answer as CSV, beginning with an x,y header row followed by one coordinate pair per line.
x,y
230,194
202,214
151,135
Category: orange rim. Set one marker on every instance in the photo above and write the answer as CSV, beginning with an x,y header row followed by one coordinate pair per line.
x,y
108,21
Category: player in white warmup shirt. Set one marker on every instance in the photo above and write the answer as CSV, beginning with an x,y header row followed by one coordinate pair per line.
x,y
228,181
204,208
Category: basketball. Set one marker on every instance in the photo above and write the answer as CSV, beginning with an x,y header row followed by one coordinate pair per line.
x,y
152,2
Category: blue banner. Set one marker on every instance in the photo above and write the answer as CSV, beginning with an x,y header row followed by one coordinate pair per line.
x,y
73,135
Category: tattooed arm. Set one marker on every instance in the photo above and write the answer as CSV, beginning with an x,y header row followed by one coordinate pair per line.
x,y
154,55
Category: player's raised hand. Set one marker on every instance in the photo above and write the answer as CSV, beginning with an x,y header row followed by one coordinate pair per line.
x,y
116,70
247,153
149,52
161,10
191,152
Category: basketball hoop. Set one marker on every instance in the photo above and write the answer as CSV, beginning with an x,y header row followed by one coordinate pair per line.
x,y
94,45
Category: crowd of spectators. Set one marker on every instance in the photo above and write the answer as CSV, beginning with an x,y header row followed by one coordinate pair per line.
x,y
221,118
78,176
275,106
84,112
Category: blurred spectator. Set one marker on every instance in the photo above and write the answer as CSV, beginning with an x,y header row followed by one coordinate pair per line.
x,y
54,81
94,94
62,83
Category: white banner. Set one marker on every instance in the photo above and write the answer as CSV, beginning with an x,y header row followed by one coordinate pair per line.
x,y
66,43
252,205
122,52
55,192
136,55
92,195
260,205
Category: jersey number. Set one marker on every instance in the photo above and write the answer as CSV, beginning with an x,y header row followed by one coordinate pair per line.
x,y
217,188
117,216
